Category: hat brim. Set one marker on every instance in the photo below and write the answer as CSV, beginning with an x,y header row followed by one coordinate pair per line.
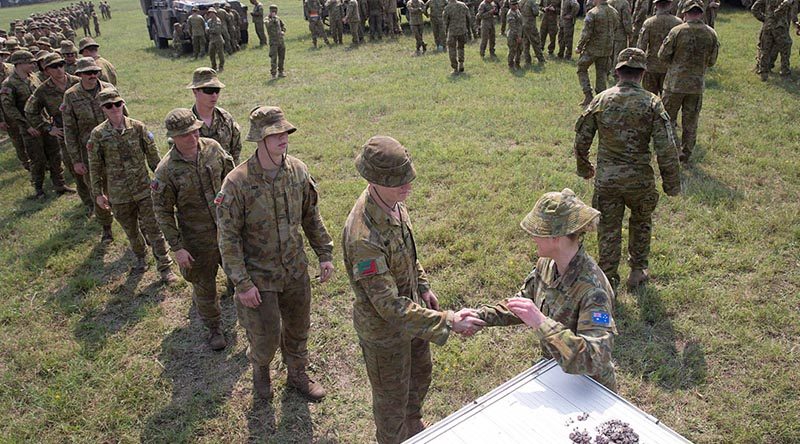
x,y
53,63
577,220
211,83
193,127
629,64
257,134
93,45
112,99
391,178
92,69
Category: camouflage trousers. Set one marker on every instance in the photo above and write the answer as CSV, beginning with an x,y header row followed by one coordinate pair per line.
x,y
690,106
262,38
203,277
548,28
375,26
774,42
317,31
437,27
654,82
600,72
84,191
216,50
566,33
503,20
277,54
198,46
282,319
487,36
132,216
530,39
416,31
400,374
611,203
336,30
390,22
356,32
455,49
19,146
44,155
514,50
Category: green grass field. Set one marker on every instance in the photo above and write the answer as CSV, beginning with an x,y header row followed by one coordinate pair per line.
x,y
89,354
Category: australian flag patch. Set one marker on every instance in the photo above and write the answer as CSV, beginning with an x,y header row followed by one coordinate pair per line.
x,y
601,318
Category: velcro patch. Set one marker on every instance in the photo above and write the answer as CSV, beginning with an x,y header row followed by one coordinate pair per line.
x,y
601,318
370,267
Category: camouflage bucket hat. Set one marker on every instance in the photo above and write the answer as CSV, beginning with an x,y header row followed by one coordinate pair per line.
x,y
21,56
86,64
273,7
4,51
632,58
44,41
51,59
67,47
41,55
691,4
181,121
513,2
12,44
267,120
558,214
86,42
385,162
211,10
662,1
204,77
108,95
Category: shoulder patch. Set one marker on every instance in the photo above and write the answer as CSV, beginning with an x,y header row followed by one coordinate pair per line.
x,y
601,318
220,199
150,136
370,267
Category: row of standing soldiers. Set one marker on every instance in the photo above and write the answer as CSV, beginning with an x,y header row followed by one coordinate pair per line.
x,y
215,31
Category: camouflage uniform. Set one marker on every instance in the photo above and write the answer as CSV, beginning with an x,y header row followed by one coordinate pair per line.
x,y
224,28
596,46
774,39
435,8
504,8
107,71
514,36
627,117
653,32
485,17
277,48
549,25
334,8
530,36
566,27
390,17
642,10
689,49
456,21
225,131
259,221
624,26
197,31
392,320
415,9
315,22
234,27
13,131
258,22
183,202
123,157
216,41
376,13
352,16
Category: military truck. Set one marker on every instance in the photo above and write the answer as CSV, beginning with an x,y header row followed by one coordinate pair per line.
x,y
162,14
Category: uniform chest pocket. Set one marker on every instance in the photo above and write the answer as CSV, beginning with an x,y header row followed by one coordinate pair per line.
x,y
294,202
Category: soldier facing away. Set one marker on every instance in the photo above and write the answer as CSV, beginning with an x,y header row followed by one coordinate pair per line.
x,y
566,27
197,32
456,20
596,46
258,21
485,16
654,31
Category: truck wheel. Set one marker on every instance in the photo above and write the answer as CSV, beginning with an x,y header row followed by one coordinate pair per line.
x,y
245,36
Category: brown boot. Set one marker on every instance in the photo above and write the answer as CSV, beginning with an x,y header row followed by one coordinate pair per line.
x,y
64,189
262,387
298,378
108,236
637,277
216,339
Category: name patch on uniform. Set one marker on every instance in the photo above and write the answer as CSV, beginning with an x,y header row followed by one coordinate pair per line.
x,y
370,267
220,198
601,318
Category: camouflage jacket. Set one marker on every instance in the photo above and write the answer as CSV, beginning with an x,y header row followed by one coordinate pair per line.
x,y
374,7
485,14
627,117
415,9
599,29
653,32
215,30
197,26
14,93
258,12
184,192
776,14
81,114
224,130
70,69
275,30
641,12
456,18
5,70
381,262
529,10
569,10
43,107
122,156
514,24
259,222
435,8
689,49
625,24
225,20
550,13
351,12
334,8
579,329
108,73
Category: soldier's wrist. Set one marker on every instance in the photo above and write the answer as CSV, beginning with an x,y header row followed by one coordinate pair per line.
x,y
449,318
244,286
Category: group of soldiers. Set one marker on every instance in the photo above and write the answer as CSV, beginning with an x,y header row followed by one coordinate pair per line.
x,y
216,31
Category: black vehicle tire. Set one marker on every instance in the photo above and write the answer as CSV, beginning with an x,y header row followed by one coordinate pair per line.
x,y
162,43
245,36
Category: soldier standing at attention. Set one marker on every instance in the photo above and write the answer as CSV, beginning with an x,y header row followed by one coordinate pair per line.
x,y
352,16
654,31
689,50
225,28
233,26
197,30
376,13
6,69
334,8
218,124
258,21
514,36
87,47
485,17
774,38
596,46
187,181
549,26
435,8
121,149
530,36
96,24
627,117
177,40
315,22
566,299
456,21
395,313
566,27
216,41
415,10
262,206
277,49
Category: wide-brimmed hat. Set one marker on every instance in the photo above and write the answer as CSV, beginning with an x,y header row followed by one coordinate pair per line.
x,y
44,41
86,64
51,59
211,10
691,4
68,47
20,56
205,78
632,58
12,44
41,55
275,7
558,214
181,121
108,95
86,42
267,120
384,161
4,51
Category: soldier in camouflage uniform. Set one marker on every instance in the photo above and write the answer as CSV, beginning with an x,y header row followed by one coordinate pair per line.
x,y
596,46
514,36
120,150
774,38
216,39
81,113
6,69
70,54
415,10
42,148
87,47
485,16
530,36
456,20
258,21
624,27
334,8
352,16
218,124
566,299
315,22
225,26
262,206
435,9
627,117
277,48
197,31
187,181
233,26
566,27
504,8
395,312
642,10
689,50
654,31
390,22
375,11
549,25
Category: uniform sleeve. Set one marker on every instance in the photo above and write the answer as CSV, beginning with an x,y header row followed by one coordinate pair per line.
x,y
236,141
644,37
588,350
70,130
372,274
586,33
313,226
499,315
12,114
150,149
666,150
164,198
97,168
585,129
667,50
111,73
712,56
758,10
33,112
230,221
423,283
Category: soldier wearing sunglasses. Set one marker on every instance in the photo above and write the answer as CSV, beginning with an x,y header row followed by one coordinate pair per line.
x,y
218,124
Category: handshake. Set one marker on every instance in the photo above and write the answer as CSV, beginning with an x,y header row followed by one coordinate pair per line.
x,y
466,322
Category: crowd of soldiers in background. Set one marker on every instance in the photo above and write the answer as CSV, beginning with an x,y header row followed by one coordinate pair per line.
x,y
214,31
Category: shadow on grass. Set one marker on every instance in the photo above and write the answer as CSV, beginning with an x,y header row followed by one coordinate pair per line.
x,y
295,425
706,188
649,348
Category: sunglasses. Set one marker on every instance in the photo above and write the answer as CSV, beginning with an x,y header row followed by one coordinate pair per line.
x,y
90,73
210,90
113,105
56,65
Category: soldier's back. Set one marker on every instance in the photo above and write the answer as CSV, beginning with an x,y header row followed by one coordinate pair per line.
x,y
694,47
603,19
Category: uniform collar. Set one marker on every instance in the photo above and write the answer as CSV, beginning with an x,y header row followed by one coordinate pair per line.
x,y
570,275
629,84
376,213
254,166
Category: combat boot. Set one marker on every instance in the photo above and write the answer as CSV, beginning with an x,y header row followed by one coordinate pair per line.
x,y
587,98
637,277
168,277
139,266
262,386
764,76
424,48
108,236
274,76
64,189
298,378
281,74
216,340
39,195
414,426
460,66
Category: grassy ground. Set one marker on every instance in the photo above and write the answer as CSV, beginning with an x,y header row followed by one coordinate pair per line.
x,y
91,354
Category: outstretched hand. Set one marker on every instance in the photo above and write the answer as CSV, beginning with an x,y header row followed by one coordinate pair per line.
x,y
526,310
467,322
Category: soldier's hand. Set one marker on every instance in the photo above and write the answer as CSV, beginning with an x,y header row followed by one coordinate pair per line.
x,y
184,258
431,300
467,322
250,298
33,132
325,271
526,310
56,132
102,202
80,168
